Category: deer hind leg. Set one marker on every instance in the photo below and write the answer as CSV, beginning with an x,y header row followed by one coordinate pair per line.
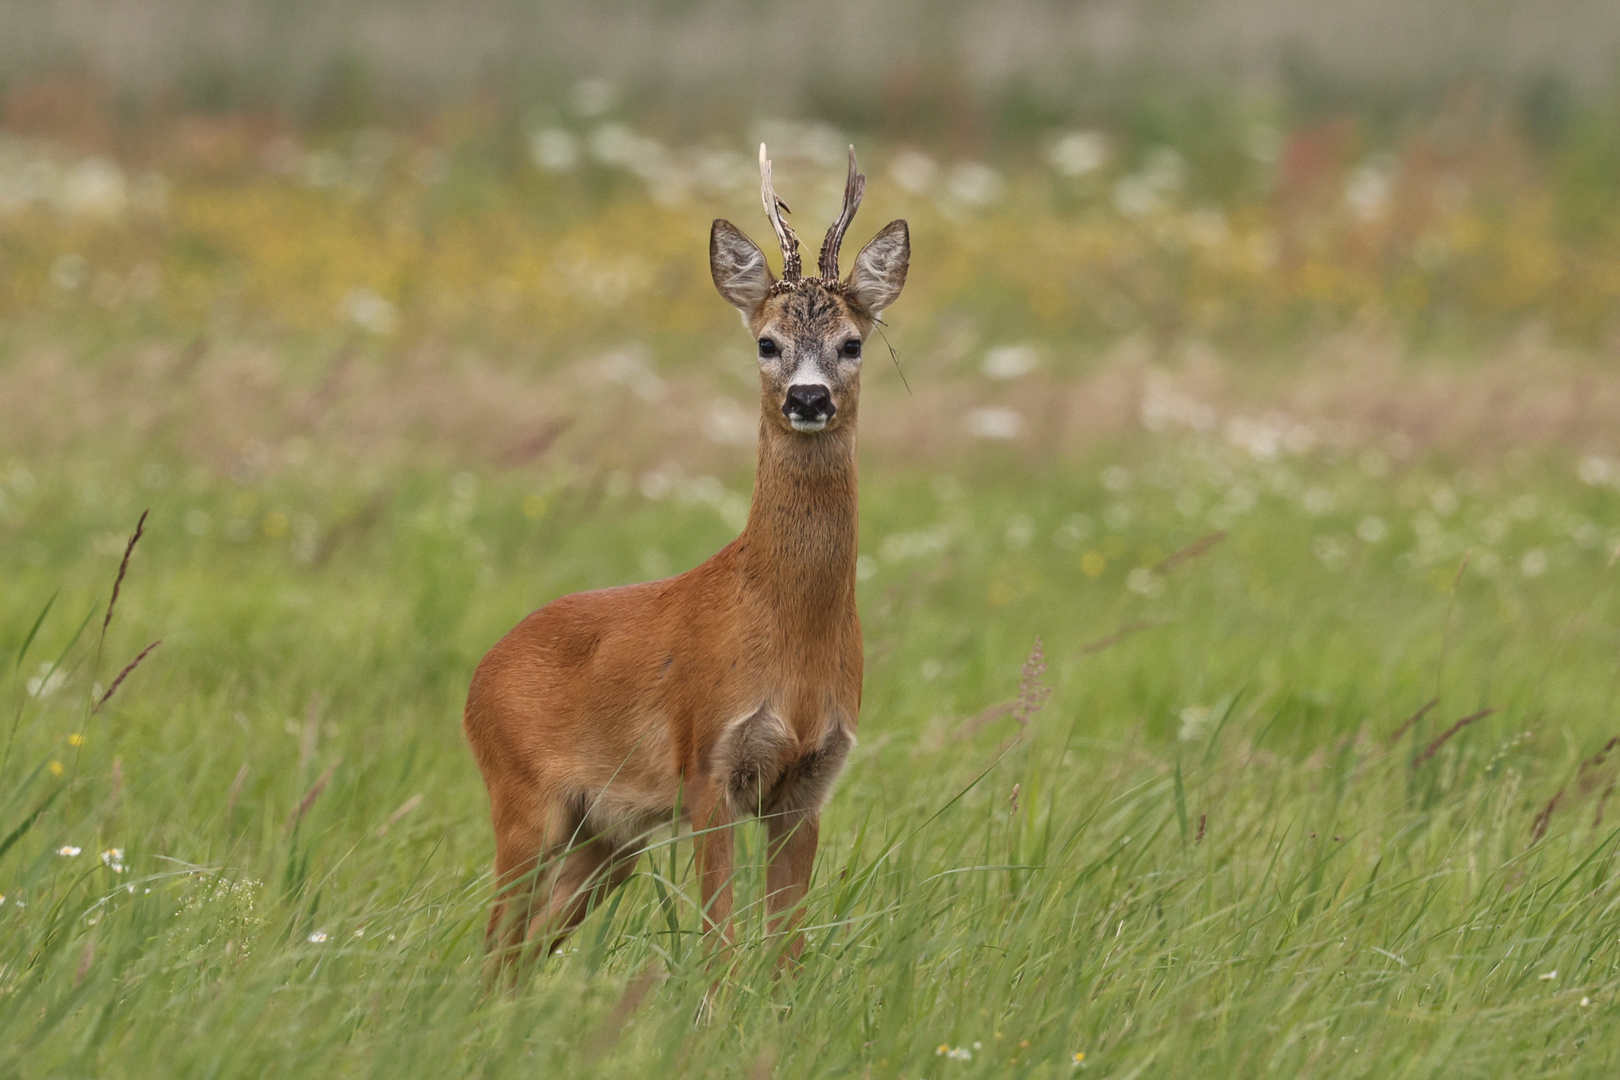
x,y
527,839
578,883
549,871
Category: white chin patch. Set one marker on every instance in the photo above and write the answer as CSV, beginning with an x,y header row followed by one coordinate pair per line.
x,y
808,425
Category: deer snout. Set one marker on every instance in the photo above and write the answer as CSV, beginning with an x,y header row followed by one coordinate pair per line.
x,y
808,407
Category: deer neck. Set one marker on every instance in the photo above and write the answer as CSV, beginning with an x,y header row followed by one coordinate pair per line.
x,y
799,546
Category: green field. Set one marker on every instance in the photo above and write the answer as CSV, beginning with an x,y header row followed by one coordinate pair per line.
x,y
1210,851
1238,517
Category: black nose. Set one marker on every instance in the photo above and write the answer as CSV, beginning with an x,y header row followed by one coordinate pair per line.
x,y
808,402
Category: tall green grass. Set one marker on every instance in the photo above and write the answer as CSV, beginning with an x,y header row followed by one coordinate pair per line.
x,y
1216,849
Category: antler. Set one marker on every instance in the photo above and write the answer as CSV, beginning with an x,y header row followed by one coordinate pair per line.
x,y
774,209
854,188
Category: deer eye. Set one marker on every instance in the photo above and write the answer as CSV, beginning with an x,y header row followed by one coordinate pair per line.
x,y
767,347
852,347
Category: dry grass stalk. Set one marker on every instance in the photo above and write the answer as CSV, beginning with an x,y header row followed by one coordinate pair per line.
x,y
1406,725
1603,801
533,447
1598,758
985,716
1032,692
236,789
1191,551
1031,699
634,994
1468,557
764,1065
355,525
1592,775
322,398
1543,819
404,808
1199,838
1441,739
1586,779
1091,648
129,667
311,733
123,568
86,958
314,793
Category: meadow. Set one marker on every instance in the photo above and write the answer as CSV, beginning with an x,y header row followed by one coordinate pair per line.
x,y
1237,579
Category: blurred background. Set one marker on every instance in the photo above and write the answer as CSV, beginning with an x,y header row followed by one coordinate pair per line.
x,y
1253,391
234,232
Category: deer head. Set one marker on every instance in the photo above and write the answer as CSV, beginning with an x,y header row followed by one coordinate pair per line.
x,y
810,331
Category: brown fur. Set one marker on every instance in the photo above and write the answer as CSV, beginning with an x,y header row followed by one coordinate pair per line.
x,y
733,689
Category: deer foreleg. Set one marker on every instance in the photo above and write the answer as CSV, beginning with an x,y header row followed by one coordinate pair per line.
x,y
711,822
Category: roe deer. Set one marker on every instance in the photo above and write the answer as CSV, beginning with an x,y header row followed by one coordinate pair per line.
x,y
730,690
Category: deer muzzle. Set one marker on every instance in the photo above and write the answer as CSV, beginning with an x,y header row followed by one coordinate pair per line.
x,y
808,407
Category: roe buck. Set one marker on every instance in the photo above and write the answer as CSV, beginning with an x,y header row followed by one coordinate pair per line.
x,y
730,690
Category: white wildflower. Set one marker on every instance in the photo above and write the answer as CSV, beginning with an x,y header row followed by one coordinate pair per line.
x,y
369,311
1596,471
47,682
1332,550
554,149
1194,719
1367,190
1318,500
995,422
1020,531
1077,153
1144,582
973,183
1010,362
914,172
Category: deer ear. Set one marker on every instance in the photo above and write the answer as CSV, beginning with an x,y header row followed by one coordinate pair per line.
x,y
738,267
880,269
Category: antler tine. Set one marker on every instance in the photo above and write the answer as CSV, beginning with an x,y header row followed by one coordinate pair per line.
x,y
854,188
774,209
